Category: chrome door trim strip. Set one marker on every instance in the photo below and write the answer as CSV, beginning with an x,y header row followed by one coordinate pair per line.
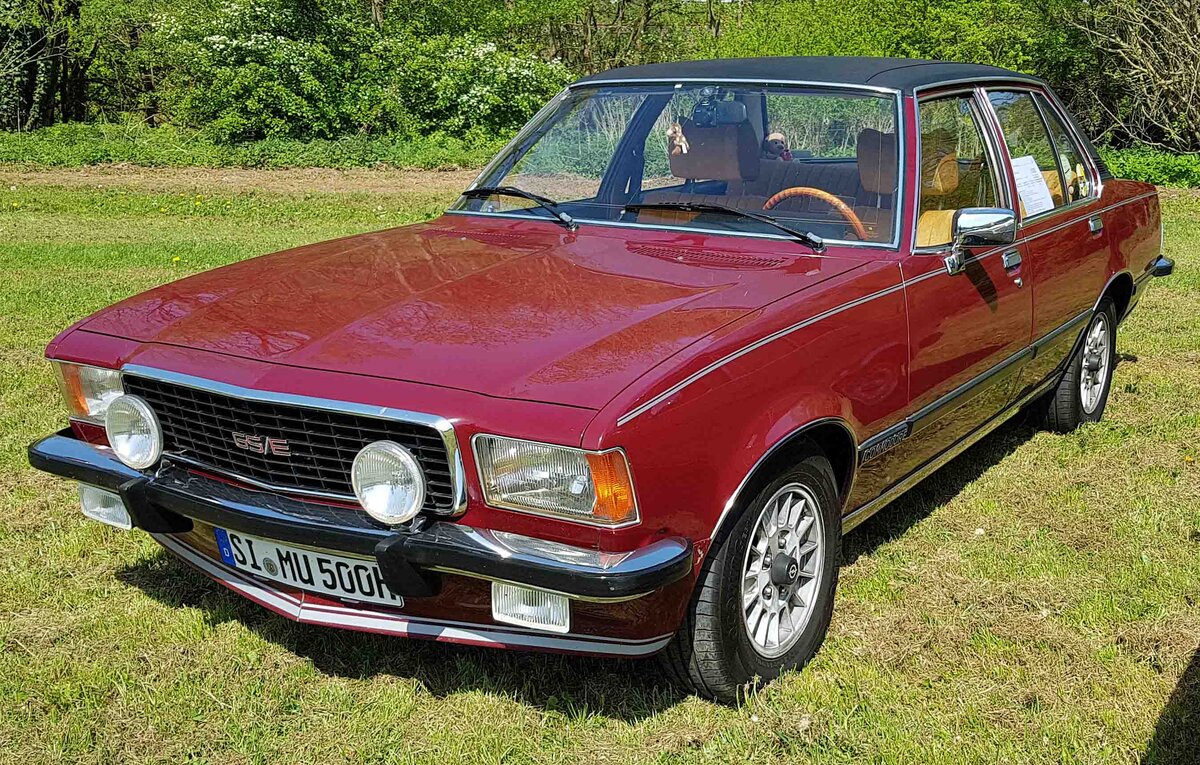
x,y
906,427
932,411
862,513
633,413
443,426
1047,338
677,387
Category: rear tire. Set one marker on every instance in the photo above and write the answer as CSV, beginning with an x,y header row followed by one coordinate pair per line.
x,y
724,648
1082,393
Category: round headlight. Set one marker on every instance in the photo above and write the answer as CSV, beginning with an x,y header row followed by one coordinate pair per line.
x,y
133,432
388,482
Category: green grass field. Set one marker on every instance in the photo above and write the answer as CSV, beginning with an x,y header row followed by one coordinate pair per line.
x,y
1035,602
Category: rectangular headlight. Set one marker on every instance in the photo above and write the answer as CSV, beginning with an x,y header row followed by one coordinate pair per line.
x,y
88,390
574,484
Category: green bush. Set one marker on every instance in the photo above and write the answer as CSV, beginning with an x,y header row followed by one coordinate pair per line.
x,y
254,69
1154,166
76,144
460,84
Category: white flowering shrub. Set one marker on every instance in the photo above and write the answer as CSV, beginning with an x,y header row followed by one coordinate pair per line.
x,y
250,69
461,84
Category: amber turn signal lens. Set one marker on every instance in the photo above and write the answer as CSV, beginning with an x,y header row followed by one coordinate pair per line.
x,y
615,503
87,390
72,389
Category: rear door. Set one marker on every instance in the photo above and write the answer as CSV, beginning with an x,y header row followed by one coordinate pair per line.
x,y
1064,243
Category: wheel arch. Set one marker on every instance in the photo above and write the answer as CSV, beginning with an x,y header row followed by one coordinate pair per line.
x,y
1120,288
833,436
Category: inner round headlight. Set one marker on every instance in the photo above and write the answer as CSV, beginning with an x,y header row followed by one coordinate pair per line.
x,y
133,432
388,482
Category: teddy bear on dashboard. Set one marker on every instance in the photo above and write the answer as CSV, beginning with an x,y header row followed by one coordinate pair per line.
x,y
775,146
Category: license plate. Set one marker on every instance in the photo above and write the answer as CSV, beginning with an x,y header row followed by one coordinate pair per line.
x,y
341,577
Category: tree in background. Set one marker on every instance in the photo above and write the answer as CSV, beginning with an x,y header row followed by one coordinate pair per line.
x,y
251,69
46,75
1152,50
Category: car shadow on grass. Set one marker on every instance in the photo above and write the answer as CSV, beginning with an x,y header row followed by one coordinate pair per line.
x,y
628,690
623,689
1176,739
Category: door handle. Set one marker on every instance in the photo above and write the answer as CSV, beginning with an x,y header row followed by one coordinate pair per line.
x,y
1012,260
1095,225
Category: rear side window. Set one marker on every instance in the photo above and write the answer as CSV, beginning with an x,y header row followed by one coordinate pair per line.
x,y
955,170
1035,164
1070,158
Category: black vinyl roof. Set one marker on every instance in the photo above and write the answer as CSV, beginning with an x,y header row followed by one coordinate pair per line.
x,y
903,74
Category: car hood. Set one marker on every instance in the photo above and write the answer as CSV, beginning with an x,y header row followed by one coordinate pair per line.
x,y
505,308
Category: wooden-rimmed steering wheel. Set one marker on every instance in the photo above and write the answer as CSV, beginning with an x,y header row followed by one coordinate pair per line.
x,y
842,208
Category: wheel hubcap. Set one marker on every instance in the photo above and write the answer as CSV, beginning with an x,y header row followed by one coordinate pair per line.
x,y
1096,359
782,572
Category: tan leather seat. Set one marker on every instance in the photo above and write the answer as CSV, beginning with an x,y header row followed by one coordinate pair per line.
x,y
939,180
877,175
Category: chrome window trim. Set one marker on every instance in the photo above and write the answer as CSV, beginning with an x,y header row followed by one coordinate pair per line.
x,y
901,154
443,426
1093,192
742,80
637,510
977,103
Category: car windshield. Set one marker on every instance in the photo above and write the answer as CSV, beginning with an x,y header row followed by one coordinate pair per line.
x,y
817,160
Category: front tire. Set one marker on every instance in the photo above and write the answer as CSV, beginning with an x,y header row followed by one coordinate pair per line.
x,y
1082,394
765,595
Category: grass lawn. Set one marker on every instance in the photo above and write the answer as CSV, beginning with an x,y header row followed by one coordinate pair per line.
x,y
1034,602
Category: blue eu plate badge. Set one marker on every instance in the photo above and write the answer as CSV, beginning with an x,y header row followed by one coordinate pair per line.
x,y
224,547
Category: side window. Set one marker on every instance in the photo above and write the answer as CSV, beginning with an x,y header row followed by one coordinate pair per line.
x,y
1070,158
955,171
1034,162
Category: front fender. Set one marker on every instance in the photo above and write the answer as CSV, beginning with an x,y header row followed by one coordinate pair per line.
x,y
690,454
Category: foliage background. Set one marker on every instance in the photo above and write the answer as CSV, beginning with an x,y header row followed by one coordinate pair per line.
x,y
441,82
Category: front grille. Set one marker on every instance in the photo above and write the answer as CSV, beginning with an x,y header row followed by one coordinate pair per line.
x,y
198,425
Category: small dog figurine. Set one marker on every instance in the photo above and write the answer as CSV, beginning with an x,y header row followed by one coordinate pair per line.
x,y
775,146
677,142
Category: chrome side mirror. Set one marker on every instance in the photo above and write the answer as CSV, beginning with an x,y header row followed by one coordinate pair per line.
x,y
979,227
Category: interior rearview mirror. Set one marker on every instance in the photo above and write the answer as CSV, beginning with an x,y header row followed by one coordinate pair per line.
x,y
979,227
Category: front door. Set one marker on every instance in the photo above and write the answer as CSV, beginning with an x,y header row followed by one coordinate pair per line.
x,y
969,331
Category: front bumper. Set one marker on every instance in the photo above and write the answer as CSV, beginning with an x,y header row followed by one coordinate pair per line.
x,y
411,561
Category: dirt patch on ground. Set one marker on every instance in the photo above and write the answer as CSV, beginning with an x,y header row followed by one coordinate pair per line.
x,y
289,182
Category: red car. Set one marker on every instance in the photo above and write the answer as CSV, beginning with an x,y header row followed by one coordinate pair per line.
x,y
696,322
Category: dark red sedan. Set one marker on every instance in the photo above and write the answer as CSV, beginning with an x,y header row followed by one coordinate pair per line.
x,y
696,322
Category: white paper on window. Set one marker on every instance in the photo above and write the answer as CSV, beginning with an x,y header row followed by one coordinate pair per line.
x,y
1031,186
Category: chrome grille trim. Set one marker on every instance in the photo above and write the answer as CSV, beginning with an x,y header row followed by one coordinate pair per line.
x,y
443,427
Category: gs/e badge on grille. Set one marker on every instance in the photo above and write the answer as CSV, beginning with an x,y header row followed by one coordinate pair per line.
x,y
262,445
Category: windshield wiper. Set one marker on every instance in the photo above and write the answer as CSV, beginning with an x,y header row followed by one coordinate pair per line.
x,y
545,203
804,237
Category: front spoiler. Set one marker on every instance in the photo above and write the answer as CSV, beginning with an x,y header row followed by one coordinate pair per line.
x,y
166,502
